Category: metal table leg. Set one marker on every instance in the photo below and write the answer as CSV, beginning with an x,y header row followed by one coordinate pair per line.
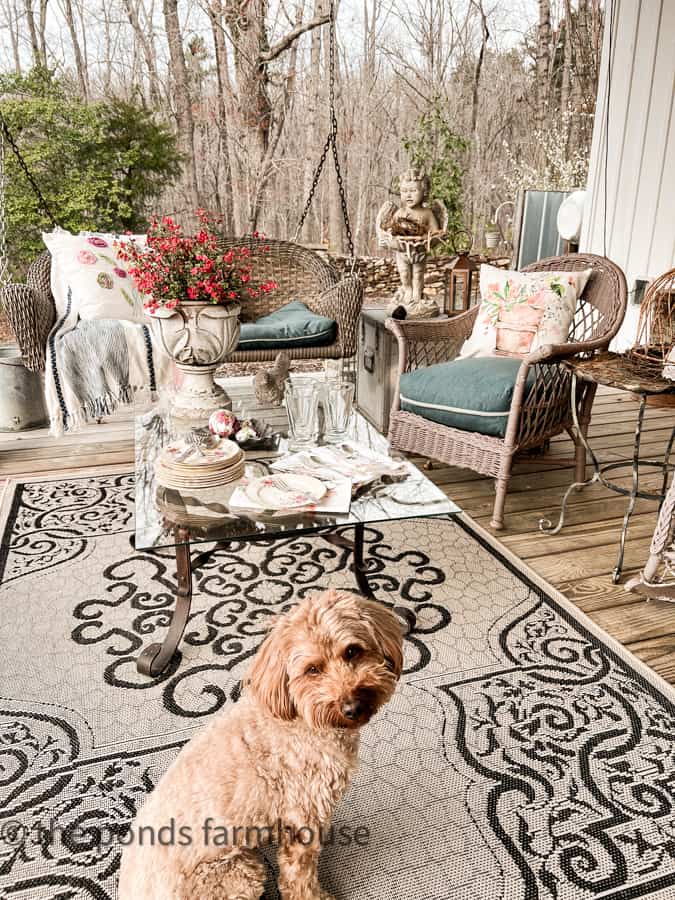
x,y
632,497
338,539
599,477
155,658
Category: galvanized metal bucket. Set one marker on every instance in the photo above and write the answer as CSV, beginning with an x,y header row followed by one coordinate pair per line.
x,y
22,397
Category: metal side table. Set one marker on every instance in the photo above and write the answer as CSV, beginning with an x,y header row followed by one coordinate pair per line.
x,y
618,371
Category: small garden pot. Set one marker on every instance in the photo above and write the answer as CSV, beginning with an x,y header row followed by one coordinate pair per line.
x,y
491,239
22,396
199,337
514,338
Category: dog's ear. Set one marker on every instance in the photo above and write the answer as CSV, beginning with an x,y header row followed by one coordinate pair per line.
x,y
268,678
387,632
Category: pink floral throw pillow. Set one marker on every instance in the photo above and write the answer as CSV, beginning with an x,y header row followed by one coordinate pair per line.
x,y
522,311
86,267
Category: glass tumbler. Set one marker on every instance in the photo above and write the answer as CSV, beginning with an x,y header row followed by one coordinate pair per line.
x,y
302,402
337,399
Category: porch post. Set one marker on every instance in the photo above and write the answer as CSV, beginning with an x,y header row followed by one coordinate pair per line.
x,y
640,144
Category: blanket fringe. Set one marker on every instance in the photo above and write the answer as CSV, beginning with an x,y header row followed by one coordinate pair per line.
x,y
90,410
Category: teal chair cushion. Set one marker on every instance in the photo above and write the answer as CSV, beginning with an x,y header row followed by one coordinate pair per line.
x,y
292,325
469,394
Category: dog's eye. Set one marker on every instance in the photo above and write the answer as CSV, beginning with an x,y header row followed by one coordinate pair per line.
x,y
312,670
353,651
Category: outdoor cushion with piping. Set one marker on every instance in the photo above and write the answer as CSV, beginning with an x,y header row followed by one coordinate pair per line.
x,y
293,325
470,394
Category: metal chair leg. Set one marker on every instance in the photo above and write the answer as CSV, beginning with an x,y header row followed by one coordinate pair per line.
x,y
616,575
545,525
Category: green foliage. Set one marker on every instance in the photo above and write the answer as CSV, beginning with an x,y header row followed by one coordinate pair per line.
x,y
437,149
98,164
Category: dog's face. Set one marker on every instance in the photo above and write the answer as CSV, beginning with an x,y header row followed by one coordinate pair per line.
x,y
334,660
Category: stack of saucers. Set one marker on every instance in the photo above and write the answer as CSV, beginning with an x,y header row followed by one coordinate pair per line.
x,y
184,465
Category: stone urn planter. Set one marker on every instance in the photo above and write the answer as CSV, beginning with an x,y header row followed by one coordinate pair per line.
x,y
198,336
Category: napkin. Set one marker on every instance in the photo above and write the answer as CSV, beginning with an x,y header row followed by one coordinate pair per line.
x,y
359,464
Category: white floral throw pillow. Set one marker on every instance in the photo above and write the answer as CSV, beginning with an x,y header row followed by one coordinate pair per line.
x,y
522,311
86,266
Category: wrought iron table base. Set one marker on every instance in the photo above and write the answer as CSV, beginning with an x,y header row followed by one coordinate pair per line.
x,y
598,477
156,657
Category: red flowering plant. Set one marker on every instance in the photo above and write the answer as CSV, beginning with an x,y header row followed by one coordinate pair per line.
x,y
173,267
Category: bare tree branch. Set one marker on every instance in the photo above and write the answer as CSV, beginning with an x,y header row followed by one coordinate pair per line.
x,y
292,36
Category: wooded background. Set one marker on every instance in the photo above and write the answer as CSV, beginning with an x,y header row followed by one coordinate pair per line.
x,y
493,95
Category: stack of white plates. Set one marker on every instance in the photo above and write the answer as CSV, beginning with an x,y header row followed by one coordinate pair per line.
x,y
181,467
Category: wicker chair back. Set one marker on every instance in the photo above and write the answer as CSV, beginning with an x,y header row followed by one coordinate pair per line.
x,y
301,274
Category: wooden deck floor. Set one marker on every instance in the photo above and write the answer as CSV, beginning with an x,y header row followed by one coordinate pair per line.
x,y
578,561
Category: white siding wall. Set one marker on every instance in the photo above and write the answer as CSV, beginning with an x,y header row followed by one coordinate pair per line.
x,y
640,202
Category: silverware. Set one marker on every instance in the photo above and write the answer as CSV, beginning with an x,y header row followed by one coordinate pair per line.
x,y
313,473
348,451
285,486
315,459
186,454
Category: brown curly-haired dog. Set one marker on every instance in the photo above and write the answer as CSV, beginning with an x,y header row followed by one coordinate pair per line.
x,y
278,761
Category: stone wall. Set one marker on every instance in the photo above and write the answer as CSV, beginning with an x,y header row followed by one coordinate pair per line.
x,y
381,281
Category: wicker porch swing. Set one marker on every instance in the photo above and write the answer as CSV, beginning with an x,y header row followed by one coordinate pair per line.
x,y
29,308
301,273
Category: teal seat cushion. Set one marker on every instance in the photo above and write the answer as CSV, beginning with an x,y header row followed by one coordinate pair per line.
x,y
292,325
469,394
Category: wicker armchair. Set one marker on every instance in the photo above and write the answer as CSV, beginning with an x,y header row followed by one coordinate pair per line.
x,y
536,415
300,273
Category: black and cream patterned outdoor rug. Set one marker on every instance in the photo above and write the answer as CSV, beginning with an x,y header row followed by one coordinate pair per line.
x,y
525,756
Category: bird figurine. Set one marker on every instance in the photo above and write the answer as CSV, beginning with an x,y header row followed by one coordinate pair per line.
x,y
269,384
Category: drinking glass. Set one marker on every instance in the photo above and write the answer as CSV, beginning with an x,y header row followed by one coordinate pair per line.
x,y
337,399
302,400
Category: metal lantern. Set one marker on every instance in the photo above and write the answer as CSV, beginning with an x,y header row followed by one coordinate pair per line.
x,y
461,279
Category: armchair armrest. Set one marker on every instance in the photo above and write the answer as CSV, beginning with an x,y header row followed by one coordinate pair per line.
x,y
559,352
541,406
342,302
31,315
424,342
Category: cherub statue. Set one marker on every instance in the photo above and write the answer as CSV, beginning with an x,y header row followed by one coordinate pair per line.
x,y
411,230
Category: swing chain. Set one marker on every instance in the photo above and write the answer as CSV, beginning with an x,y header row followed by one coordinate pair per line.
x,y
331,142
4,261
42,203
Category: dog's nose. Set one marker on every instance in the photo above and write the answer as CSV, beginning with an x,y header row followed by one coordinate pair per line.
x,y
353,709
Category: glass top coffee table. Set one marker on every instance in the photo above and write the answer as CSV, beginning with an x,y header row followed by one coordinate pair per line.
x,y
168,518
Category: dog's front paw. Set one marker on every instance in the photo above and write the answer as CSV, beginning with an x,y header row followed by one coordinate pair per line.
x,y
324,895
